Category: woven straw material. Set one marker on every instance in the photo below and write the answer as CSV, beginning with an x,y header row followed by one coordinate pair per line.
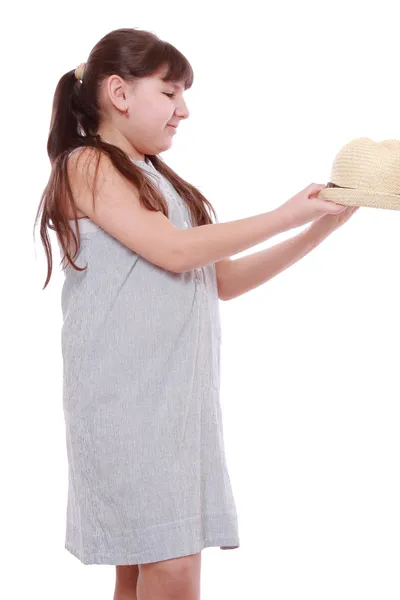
x,y
370,173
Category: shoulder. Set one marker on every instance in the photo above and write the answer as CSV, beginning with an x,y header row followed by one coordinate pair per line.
x,y
85,163
82,152
93,177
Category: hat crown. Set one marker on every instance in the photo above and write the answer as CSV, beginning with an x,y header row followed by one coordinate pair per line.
x,y
364,164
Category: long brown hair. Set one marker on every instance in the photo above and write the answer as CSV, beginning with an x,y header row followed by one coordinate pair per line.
x,y
131,54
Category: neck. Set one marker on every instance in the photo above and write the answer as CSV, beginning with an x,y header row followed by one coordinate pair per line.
x,y
117,139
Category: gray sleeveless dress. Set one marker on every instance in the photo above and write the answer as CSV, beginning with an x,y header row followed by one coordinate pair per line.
x,y
147,474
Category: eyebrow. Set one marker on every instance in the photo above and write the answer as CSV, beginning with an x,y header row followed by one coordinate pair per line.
x,y
175,85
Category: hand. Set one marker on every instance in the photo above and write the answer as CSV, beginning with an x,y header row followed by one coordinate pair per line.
x,y
328,223
306,206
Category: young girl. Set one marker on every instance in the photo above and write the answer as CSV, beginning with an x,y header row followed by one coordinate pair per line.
x,y
145,267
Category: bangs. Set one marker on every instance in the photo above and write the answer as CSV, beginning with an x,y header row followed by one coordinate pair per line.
x,y
178,69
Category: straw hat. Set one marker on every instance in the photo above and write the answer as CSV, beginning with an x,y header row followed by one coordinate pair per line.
x,y
366,173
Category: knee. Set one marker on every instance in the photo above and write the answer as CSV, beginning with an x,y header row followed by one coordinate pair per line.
x,y
175,576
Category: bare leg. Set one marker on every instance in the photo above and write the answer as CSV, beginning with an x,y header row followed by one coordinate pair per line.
x,y
126,582
173,579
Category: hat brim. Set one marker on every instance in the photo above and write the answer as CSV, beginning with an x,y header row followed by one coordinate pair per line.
x,y
349,197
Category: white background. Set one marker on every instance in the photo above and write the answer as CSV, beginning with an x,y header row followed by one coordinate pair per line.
x,y
310,387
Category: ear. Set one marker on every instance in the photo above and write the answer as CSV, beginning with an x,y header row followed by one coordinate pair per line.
x,y
116,89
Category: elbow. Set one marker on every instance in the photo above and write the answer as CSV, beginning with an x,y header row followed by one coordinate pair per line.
x,y
222,294
177,257
179,263
223,297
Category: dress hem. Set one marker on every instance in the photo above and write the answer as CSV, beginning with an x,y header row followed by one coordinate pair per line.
x,y
160,543
151,557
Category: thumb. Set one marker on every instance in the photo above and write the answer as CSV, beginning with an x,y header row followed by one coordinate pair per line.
x,y
314,188
331,207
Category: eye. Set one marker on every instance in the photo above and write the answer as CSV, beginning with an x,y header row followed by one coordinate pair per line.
x,y
169,95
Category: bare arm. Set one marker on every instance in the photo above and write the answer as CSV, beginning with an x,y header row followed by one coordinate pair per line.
x,y
248,272
119,212
210,243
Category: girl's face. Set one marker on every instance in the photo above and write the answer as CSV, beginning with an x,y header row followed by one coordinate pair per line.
x,y
155,110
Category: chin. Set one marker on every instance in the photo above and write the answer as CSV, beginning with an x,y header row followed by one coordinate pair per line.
x,y
165,146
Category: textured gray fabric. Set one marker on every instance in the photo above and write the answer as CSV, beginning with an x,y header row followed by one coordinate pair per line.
x,y
147,476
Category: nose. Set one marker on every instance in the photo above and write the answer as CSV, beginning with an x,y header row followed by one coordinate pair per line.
x,y
182,110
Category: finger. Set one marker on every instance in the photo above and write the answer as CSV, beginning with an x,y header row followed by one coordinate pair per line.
x,y
315,188
332,208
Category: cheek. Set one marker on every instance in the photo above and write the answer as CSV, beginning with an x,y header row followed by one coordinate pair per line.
x,y
157,115
152,116
163,108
